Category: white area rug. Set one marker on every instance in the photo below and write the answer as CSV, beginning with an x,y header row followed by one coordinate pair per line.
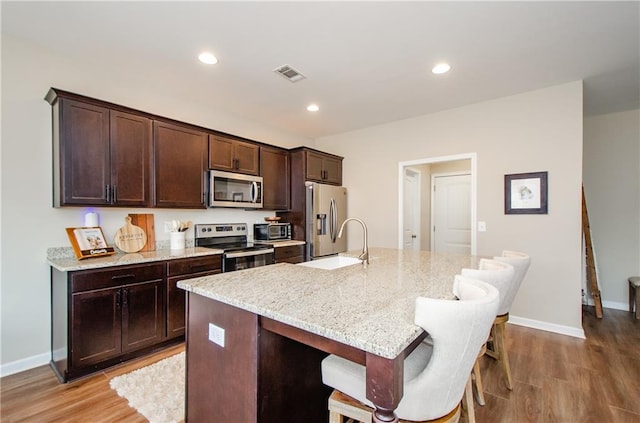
x,y
155,391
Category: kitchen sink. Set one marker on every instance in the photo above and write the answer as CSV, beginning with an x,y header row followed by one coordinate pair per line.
x,y
331,263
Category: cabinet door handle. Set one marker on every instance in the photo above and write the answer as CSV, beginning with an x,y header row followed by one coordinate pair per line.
x,y
118,299
236,164
113,194
125,297
127,276
107,193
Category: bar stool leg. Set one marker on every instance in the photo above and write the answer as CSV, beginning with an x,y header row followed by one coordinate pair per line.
x,y
467,402
476,377
501,351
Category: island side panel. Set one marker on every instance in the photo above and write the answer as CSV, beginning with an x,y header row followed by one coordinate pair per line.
x,y
291,388
221,381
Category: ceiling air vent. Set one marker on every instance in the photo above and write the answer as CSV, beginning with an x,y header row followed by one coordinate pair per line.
x,y
289,73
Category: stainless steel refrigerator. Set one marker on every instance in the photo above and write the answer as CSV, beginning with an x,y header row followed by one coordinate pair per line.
x,y
326,209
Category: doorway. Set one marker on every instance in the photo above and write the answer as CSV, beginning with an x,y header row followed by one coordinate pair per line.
x,y
411,230
451,213
426,168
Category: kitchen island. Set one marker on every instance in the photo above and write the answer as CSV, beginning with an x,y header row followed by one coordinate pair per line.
x,y
255,338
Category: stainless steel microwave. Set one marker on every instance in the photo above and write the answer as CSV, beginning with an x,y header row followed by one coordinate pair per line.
x,y
228,189
271,231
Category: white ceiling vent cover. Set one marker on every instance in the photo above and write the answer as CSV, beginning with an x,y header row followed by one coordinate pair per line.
x,y
289,73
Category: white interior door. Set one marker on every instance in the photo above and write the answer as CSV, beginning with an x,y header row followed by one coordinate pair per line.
x,y
451,222
411,210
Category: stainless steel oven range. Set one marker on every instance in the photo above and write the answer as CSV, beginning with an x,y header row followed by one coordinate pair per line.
x,y
238,253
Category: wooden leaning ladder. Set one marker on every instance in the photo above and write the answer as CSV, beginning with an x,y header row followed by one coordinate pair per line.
x,y
592,277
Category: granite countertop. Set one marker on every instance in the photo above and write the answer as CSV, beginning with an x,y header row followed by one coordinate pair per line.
x,y
371,309
64,260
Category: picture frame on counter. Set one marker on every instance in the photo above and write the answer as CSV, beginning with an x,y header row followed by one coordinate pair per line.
x,y
526,193
89,241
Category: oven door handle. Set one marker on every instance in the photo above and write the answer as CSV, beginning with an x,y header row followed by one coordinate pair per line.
x,y
249,253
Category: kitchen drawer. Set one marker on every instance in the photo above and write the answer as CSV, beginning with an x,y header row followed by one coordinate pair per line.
x,y
116,276
284,254
194,265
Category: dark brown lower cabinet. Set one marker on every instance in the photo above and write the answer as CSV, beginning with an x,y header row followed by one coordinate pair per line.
x,y
290,254
106,316
96,326
178,270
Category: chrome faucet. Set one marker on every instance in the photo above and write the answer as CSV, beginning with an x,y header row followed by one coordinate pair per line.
x,y
365,242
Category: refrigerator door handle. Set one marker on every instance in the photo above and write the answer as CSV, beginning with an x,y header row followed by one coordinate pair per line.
x,y
333,220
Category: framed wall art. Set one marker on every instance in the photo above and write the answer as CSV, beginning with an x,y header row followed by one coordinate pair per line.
x,y
89,242
525,193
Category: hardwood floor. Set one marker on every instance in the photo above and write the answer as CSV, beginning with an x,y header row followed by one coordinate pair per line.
x,y
564,379
37,396
556,379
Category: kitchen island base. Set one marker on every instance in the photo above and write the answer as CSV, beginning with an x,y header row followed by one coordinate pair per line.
x,y
257,376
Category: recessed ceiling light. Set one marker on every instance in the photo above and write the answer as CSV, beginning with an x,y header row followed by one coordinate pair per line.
x,y
208,58
441,68
313,107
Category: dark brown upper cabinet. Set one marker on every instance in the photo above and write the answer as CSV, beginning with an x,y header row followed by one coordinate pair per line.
x,y
233,155
102,156
180,166
323,167
275,172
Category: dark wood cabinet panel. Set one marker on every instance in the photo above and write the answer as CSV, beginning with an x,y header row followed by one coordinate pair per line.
x,y
332,170
233,155
275,172
315,169
178,270
324,168
291,254
95,326
102,156
180,166
83,154
130,143
142,315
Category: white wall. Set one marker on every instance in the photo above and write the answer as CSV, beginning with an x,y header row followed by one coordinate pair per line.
x,y
29,223
536,131
612,190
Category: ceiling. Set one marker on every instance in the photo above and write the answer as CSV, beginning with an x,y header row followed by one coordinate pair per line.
x,y
366,63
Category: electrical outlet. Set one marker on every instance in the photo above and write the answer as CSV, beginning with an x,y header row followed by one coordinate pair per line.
x,y
482,226
167,227
216,334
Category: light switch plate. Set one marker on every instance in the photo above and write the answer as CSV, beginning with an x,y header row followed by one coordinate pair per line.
x,y
216,334
482,226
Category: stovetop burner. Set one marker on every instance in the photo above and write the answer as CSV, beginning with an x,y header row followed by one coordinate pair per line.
x,y
225,236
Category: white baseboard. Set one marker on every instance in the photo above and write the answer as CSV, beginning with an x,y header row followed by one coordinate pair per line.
x,y
610,304
615,305
549,327
24,364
